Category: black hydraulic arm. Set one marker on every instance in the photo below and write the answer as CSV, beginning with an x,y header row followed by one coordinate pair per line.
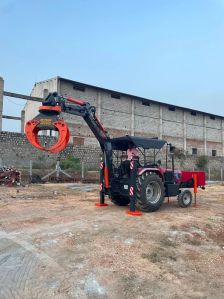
x,y
80,108
88,112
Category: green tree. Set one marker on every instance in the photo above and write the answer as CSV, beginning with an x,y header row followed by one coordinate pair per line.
x,y
202,162
70,163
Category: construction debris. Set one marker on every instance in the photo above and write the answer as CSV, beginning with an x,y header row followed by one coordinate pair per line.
x,y
9,176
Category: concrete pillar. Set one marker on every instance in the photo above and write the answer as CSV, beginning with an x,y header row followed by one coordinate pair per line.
x,y
184,131
205,136
45,93
22,121
1,100
132,117
222,136
160,122
98,112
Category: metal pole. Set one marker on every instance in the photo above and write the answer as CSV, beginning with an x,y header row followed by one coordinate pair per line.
x,y
101,187
22,121
221,174
172,159
209,174
1,100
31,168
83,172
195,178
166,155
57,169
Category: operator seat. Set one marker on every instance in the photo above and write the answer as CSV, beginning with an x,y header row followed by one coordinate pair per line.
x,y
169,177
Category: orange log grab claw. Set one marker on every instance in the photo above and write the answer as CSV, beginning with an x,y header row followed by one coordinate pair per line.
x,y
44,122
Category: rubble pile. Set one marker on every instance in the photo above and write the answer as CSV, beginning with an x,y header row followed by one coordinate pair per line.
x,y
9,176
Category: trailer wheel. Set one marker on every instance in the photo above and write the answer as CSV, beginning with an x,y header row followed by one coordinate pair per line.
x,y
150,192
120,200
185,198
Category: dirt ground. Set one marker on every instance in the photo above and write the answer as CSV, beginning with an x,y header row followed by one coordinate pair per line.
x,y
54,243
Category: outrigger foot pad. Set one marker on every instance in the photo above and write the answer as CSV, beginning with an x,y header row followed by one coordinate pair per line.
x,y
195,205
101,204
134,213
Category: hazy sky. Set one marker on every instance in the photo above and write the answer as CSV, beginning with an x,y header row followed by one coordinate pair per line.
x,y
167,50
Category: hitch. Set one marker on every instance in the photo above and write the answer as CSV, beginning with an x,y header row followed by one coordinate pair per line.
x,y
48,119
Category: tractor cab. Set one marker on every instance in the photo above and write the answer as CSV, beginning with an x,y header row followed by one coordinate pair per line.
x,y
147,151
148,154
156,176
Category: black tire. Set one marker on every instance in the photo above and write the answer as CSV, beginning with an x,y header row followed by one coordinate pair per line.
x,y
36,179
150,192
120,200
185,198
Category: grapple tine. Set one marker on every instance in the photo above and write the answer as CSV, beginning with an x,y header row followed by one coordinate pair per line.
x,y
63,137
31,131
62,144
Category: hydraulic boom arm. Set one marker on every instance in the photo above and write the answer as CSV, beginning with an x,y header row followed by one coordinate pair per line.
x,y
49,118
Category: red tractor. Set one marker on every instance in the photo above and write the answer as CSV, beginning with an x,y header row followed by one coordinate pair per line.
x,y
141,181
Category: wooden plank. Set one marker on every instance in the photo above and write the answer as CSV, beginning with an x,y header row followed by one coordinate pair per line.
x,y
21,96
11,117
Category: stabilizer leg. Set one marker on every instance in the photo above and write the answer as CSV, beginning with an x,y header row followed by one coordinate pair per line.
x,y
102,188
132,189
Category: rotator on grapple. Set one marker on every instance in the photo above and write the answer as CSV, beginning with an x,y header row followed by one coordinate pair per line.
x,y
144,185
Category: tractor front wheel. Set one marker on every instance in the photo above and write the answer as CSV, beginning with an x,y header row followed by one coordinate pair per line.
x,y
150,192
185,198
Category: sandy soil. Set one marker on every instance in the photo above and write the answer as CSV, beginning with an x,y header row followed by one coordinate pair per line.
x,y
54,243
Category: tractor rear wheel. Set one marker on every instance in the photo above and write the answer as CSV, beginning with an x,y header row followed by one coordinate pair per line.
x,y
150,192
185,198
120,200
